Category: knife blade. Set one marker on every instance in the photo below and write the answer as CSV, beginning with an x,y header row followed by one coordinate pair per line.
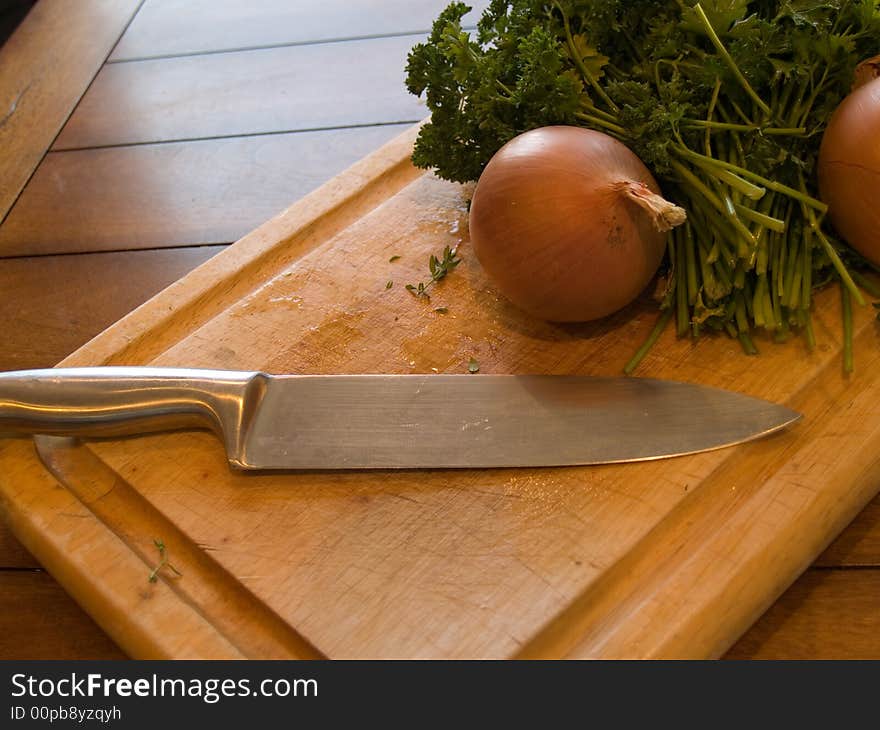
x,y
392,421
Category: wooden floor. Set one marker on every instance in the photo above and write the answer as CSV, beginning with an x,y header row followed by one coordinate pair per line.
x,y
201,120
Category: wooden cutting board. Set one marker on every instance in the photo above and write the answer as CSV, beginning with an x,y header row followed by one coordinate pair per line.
x,y
671,558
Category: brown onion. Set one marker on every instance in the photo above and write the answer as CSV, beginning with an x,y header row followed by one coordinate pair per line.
x,y
849,165
569,224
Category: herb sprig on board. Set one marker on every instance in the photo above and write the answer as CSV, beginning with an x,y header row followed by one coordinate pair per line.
x,y
724,100
438,268
163,562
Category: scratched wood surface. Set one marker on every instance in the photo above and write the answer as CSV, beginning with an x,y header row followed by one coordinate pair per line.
x,y
672,558
58,307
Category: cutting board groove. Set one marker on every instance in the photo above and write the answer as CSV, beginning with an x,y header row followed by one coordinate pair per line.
x,y
670,558
208,589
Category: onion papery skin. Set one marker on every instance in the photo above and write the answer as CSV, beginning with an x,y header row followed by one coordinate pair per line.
x,y
553,231
849,170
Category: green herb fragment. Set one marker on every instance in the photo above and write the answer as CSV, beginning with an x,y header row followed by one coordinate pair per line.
x,y
163,562
441,310
393,259
389,285
438,268
725,101
473,366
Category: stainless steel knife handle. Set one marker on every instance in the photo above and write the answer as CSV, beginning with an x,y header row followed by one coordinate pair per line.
x,y
119,401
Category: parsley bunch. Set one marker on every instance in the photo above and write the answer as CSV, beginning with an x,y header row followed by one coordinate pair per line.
x,y
724,100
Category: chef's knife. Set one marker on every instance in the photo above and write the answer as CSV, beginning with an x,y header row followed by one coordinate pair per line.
x,y
391,421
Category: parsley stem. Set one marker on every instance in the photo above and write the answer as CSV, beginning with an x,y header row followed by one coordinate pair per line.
x,y
740,113
713,199
636,359
579,62
769,311
783,99
808,107
743,186
153,577
839,266
809,335
709,162
610,126
691,261
732,126
596,111
747,345
766,221
846,304
866,284
795,113
731,64
681,293
791,298
758,301
807,272
710,114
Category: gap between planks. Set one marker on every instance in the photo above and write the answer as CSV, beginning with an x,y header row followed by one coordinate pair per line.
x,y
269,46
219,25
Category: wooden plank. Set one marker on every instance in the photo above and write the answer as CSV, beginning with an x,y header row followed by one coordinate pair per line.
x,y
177,194
252,92
176,27
826,614
677,556
38,620
12,553
52,305
44,69
859,544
